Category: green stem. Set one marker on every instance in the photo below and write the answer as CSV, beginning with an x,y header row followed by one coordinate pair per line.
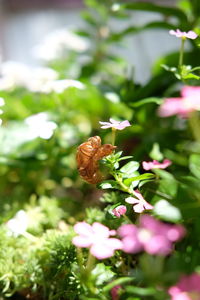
x,y
80,258
113,136
123,186
30,236
181,52
195,125
90,263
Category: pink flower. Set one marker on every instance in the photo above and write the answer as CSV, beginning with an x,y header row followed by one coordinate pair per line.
x,y
115,292
180,34
115,124
155,164
119,211
140,203
188,288
151,235
182,106
96,237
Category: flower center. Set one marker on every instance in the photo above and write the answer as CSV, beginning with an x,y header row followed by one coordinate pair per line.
x,y
144,235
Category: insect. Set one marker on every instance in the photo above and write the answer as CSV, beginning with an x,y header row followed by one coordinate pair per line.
x,y
87,157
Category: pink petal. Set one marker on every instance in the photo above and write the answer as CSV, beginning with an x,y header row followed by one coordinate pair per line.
x,y
147,165
114,122
147,205
131,244
176,232
150,223
106,248
83,228
100,230
115,292
82,242
123,125
138,195
158,244
173,106
156,165
101,252
191,35
119,211
138,208
131,200
127,230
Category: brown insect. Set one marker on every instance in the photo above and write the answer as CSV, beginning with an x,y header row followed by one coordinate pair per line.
x,y
87,157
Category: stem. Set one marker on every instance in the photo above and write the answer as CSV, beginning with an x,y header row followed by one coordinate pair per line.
x,y
181,52
195,125
90,263
120,182
80,258
113,136
30,236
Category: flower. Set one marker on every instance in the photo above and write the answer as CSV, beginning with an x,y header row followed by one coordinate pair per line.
x,y
182,34
18,224
155,164
119,211
141,203
40,126
181,106
115,292
151,235
115,124
96,237
188,288
59,86
56,43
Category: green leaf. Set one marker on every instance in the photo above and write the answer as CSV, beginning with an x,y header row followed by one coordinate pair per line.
x,y
102,273
141,291
130,167
156,153
118,281
194,164
165,10
166,211
190,76
125,157
147,101
146,176
108,184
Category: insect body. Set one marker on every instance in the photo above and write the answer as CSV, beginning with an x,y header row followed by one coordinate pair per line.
x,y
87,157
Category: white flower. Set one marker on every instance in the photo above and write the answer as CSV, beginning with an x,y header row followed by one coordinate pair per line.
x,y
2,102
57,42
13,74
18,224
40,77
39,126
58,86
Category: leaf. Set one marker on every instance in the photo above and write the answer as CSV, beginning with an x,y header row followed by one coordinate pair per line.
x,y
102,273
147,101
130,167
125,157
146,176
194,165
190,75
108,184
141,291
165,10
136,29
166,211
156,153
118,281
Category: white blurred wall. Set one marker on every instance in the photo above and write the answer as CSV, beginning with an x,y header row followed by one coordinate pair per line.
x,y
20,32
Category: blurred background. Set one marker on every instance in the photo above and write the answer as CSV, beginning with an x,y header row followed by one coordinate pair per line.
x,y
25,24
